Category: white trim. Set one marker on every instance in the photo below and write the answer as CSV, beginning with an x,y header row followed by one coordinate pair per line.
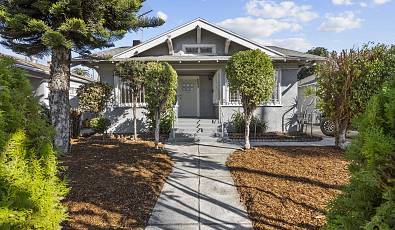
x,y
192,26
170,45
227,45
198,34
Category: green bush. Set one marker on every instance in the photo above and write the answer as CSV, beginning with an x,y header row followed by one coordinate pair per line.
x,y
368,201
238,123
100,124
30,190
166,122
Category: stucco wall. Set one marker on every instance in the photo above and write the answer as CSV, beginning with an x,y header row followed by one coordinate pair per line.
x,y
279,117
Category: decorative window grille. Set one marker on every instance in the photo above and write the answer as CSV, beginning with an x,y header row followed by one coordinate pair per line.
x,y
199,49
124,95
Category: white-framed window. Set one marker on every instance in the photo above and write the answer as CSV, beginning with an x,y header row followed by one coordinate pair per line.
x,y
234,97
199,49
124,96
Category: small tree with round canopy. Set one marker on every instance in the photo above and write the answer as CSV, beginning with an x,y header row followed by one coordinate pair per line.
x,y
251,73
133,74
161,90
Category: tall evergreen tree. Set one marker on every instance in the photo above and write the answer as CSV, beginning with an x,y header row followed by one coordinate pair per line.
x,y
58,27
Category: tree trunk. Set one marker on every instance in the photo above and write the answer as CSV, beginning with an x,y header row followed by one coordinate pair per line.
x,y
157,128
59,97
135,118
340,135
247,129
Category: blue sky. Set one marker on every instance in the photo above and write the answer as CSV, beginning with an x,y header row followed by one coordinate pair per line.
x,y
295,24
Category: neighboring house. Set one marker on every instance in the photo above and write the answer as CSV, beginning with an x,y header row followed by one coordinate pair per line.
x,y
308,103
199,51
39,78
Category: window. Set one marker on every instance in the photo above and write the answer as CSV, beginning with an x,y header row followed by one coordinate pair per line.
x,y
73,91
234,97
199,49
124,95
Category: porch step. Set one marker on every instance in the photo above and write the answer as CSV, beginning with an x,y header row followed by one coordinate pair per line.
x,y
186,130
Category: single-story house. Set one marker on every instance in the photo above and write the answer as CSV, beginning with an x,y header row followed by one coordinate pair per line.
x,y
199,51
39,77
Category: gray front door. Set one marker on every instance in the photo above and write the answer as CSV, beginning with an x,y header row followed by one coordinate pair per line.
x,y
188,96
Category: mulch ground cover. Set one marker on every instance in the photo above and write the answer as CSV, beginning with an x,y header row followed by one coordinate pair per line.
x,y
288,187
114,183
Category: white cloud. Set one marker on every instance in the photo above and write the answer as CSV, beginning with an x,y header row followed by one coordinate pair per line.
x,y
381,2
295,43
342,2
258,27
340,22
284,9
363,4
161,15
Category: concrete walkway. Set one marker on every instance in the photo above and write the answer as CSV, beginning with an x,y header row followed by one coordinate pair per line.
x,y
200,193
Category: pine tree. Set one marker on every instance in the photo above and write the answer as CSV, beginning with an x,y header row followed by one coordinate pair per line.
x,y
58,27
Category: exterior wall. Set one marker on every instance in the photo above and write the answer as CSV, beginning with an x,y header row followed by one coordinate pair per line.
x,y
279,118
40,89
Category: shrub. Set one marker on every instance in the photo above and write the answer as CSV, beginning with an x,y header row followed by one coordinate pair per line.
x,y
100,124
166,122
368,202
94,96
30,191
238,123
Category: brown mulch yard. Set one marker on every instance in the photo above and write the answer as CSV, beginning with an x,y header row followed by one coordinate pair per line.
x,y
288,187
114,183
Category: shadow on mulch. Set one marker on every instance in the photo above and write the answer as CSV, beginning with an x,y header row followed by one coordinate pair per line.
x,y
288,187
114,183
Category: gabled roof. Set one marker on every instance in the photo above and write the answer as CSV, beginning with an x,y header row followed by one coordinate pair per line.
x,y
130,52
296,54
192,26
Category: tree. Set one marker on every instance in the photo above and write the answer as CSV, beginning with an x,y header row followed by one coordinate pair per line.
x,y
133,74
80,71
42,27
93,97
251,73
161,90
347,80
310,69
368,201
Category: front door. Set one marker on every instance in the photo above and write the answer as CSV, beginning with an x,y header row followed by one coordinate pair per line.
x,y
188,96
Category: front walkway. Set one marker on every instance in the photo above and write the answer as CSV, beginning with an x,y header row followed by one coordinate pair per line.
x,y
200,193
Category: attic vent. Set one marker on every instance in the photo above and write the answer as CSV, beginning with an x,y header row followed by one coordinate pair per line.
x,y
199,49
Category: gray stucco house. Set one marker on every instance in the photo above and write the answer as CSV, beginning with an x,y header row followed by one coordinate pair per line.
x,y
199,50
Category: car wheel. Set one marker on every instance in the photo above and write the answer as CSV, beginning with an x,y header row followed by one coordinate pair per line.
x,y
327,127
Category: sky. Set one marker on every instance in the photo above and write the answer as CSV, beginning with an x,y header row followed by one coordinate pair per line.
x,y
294,24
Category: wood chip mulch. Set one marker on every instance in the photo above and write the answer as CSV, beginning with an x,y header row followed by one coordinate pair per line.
x,y
288,187
114,183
